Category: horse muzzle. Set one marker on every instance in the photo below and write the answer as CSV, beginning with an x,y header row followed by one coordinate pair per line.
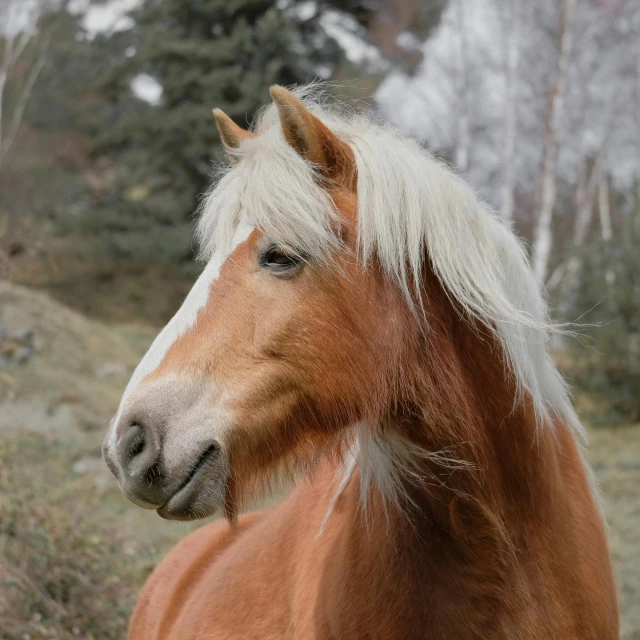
x,y
192,486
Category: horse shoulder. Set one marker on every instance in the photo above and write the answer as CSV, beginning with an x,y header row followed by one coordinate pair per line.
x,y
172,582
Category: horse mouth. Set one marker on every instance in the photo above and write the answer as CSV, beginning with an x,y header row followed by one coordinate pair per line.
x,y
202,491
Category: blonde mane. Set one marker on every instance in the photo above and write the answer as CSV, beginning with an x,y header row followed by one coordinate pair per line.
x,y
411,208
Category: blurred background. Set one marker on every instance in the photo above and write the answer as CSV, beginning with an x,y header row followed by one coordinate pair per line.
x,y
106,143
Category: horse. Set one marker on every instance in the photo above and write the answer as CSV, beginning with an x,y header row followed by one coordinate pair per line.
x,y
367,337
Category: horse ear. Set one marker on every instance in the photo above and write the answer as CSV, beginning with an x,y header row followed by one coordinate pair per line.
x,y
231,134
309,136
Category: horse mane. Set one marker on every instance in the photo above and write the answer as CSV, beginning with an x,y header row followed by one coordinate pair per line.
x,y
412,208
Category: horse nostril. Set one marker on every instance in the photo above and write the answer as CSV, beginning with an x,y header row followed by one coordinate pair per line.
x,y
137,440
139,457
137,452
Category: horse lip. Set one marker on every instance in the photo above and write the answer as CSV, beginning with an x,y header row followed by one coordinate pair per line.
x,y
140,502
209,467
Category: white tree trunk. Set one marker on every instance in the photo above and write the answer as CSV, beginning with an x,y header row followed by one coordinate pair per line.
x,y
603,206
543,238
638,75
638,89
15,44
16,38
511,109
3,84
6,142
5,65
463,142
585,200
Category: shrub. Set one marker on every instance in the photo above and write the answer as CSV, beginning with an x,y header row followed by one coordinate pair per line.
x,y
65,570
605,296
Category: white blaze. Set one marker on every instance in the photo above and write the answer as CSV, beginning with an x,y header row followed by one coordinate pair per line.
x,y
182,321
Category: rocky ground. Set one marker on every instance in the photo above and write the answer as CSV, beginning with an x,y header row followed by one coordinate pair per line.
x,y
61,376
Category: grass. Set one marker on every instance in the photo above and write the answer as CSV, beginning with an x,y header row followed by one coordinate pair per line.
x,y
70,562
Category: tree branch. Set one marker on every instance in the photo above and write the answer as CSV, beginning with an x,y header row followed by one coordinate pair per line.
x,y
16,120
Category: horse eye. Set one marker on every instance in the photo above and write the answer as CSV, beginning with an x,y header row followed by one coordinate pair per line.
x,y
279,260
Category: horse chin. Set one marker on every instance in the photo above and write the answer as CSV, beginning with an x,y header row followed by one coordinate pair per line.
x,y
202,493
190,513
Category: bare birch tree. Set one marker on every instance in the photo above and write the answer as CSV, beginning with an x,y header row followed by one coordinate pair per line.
x,y
637,36
585,200
584,205
543,237
463,136
603,206
16,38
511,109
17,31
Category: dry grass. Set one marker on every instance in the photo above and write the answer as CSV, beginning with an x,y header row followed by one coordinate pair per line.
x,y
66,570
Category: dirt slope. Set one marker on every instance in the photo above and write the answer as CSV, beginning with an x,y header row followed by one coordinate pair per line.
x,y
57,368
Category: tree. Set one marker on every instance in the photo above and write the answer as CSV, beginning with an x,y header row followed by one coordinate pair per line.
x,y
22,57
463,142
543,238
201,54
453,101
511,109
65,97
19,32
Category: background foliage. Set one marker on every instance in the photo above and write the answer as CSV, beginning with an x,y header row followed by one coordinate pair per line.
x,y
203,54
606,291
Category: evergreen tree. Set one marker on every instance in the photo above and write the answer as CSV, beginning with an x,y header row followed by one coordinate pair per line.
x,y
204,54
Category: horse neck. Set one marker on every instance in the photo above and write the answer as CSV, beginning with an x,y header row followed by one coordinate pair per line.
x,y
464,549
459,403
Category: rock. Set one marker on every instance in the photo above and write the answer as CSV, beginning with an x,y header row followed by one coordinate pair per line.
x,y
25,336
16,346
22,354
